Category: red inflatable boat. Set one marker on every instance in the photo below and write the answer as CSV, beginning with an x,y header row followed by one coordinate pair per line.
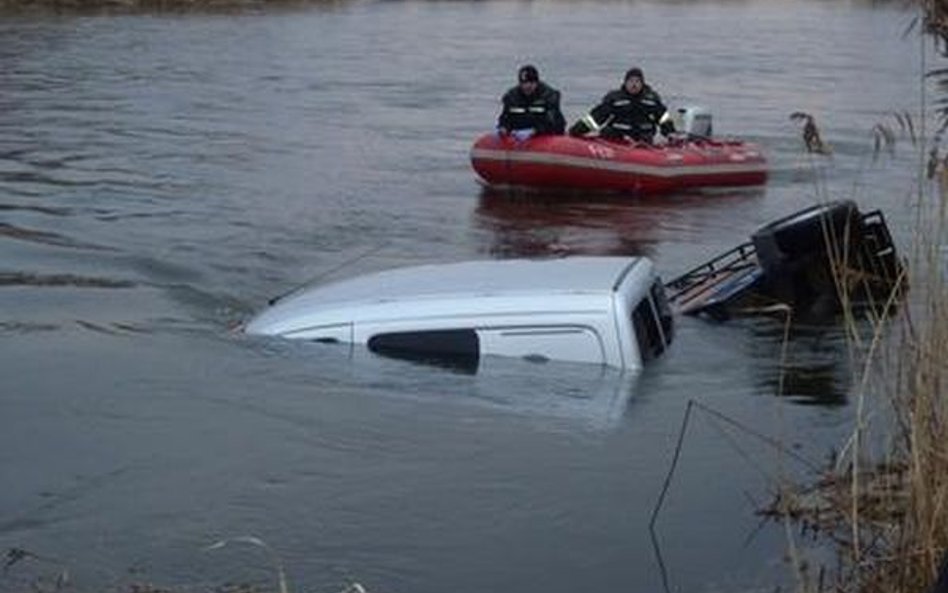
x,y
593,163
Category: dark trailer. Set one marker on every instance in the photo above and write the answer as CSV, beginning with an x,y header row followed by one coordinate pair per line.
x,y
814,263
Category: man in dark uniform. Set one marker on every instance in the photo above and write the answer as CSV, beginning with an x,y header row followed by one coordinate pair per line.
x,y
632,112
531,105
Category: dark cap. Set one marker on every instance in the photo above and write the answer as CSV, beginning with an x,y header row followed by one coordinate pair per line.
x,y
633,73
528,73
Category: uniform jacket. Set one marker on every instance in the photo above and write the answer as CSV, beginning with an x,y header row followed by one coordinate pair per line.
x,y
623,115
540,110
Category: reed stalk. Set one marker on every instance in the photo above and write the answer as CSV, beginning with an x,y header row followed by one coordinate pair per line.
x,y
886,511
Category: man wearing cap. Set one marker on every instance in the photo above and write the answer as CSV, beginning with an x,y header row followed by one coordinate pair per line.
x,y
531,107
632,112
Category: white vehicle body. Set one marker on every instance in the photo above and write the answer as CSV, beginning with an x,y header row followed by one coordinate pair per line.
x,y
603,310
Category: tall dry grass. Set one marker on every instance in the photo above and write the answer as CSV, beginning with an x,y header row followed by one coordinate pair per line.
x,y
885,507
898,506
892,528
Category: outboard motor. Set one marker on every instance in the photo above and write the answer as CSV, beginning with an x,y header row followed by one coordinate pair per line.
x,y
694,121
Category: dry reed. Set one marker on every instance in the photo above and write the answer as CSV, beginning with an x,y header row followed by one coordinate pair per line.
x,y
887,512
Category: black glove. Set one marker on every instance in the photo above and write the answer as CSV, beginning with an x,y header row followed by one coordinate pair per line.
x,y
667,127
579,129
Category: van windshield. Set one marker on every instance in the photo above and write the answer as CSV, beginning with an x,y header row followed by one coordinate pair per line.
x,y
663,310
653,322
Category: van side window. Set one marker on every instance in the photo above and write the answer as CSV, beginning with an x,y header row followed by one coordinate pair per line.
x,y
647,331
544,342
454,348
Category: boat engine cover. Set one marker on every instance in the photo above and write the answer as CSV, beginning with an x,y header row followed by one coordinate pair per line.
x,y
694,121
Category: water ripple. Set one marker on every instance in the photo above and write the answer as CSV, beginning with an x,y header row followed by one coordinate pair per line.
x,y
26,327
50,210
45,237
57,280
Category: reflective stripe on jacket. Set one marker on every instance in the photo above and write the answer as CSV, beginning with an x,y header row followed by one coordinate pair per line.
x,y
539,111
621,114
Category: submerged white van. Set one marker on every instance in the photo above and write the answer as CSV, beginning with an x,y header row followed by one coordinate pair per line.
x,y
602,310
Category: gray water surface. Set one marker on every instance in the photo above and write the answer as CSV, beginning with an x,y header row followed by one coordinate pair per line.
x,y
163,175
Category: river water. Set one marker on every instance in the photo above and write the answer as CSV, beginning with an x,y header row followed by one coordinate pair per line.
x,y
163,175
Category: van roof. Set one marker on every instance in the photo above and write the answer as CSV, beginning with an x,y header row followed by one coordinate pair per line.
x,y
470,278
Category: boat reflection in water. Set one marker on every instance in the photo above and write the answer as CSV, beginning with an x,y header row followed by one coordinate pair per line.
x,y
538,223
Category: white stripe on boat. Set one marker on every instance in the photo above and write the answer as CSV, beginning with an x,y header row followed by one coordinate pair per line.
x,y
668,170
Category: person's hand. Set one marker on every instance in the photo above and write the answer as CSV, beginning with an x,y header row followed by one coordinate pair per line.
x,y
522,135
580,129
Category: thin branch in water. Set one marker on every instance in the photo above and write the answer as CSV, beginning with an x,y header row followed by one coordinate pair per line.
x,y
16,555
